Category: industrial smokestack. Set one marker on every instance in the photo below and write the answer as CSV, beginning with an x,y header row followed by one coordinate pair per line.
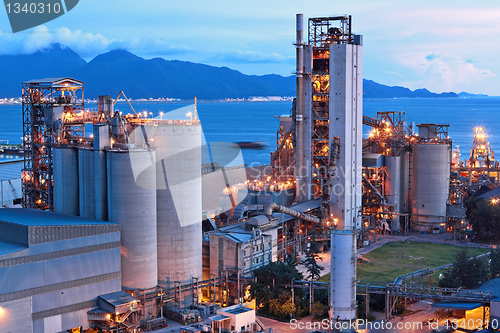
x,y
299,165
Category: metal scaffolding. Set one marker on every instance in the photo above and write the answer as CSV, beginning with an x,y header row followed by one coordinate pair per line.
x,y
43,101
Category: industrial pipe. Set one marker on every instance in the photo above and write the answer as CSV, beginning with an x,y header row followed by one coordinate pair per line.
x,y
270,206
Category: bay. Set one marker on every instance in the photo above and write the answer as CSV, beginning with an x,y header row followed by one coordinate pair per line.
x,y
255,121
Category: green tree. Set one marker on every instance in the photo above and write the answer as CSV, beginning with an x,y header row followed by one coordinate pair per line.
x,y
465,272
313,269
320,310
484,218
282,308
270,280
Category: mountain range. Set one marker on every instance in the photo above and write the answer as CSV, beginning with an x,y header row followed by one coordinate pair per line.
x,y
117,70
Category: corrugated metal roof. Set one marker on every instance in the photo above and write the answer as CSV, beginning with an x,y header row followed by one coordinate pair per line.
x,y
118,298
11,170
219,318
456,305
493,286
54,80
495,193
36,217
235,309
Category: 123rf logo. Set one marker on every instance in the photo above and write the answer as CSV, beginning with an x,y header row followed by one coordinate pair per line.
x,y
25,14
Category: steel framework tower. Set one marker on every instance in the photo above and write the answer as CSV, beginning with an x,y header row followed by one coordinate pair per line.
x,y
49,107
329,135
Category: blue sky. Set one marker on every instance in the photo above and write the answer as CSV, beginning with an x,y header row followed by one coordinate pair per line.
x,y
439,45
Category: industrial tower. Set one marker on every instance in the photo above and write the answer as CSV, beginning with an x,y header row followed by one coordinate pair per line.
x,y
329,142
49,107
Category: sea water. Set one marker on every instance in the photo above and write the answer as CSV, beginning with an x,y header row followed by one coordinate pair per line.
x,y
256,121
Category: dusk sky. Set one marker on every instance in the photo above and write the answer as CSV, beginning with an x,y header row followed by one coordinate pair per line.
x,y
438,45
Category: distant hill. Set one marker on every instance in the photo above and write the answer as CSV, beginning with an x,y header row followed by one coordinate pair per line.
x,y
373,89
463,94
52,62
117,70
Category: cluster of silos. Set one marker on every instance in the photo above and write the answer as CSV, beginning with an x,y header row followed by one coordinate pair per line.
x,y
430,185
152,190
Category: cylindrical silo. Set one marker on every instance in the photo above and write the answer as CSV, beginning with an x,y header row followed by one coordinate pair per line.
x,y
134,208
66,197
86,172
393,187
179,200
343,276
430,185
104,103
405,182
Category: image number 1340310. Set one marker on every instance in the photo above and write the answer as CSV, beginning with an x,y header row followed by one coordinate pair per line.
x,y
26,14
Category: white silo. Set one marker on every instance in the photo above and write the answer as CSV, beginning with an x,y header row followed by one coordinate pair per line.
x,y
66,196
430,185
86,172
179,201
343,274
134,208
393,187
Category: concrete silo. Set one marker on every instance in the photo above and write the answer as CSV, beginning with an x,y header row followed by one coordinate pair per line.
x,y
430,185
179,201
86,172
132,204
66,196
393,187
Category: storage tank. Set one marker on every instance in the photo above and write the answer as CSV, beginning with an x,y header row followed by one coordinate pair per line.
x,y
343,275
134,208
86,182
66,197
405,182
393,187
430,186
179,201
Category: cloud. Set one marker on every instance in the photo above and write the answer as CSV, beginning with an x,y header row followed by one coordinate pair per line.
x,y
444,73
151,46
431,57
83,43
394,73
239,57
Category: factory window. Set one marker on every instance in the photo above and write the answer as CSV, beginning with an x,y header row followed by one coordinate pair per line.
x,y
244,252
269,244
232,328
261,247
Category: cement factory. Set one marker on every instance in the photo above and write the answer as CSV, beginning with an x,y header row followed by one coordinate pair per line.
x,y
115,234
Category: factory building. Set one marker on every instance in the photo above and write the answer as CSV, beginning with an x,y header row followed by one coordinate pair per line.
x,y
49,279
236,318
408,183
